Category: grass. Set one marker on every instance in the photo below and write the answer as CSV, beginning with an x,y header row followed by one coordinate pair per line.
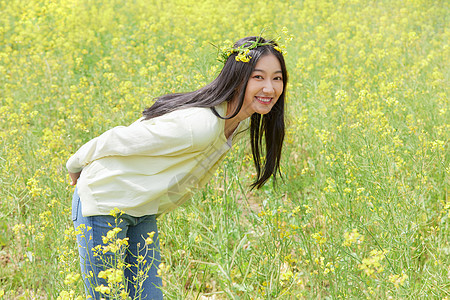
x,y
362,210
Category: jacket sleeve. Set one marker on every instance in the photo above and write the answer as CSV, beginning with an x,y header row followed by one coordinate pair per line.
x,y
154,137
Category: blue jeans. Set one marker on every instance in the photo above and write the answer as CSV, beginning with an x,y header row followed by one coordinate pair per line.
x,y
91,232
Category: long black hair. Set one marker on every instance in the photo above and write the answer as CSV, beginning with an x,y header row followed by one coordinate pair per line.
x,y
230,84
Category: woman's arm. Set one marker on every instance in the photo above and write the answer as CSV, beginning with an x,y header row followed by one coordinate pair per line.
x,y
166,136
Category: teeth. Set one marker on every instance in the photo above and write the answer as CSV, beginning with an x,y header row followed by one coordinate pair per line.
x,y
264,99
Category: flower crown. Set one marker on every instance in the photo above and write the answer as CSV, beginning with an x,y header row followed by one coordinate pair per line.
x,y
243,50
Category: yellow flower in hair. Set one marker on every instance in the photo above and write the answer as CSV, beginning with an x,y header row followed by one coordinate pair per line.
x,y
243,56
242,52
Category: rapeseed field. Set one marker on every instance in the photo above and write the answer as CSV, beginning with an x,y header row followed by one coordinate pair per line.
x,y
362,211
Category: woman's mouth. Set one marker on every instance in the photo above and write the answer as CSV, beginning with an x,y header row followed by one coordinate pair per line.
x,y
264,100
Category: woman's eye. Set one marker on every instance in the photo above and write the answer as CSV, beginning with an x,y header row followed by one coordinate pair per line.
x,y
278,78
258,77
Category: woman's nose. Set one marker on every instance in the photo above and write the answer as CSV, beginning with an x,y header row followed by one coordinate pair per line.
x,y
268,87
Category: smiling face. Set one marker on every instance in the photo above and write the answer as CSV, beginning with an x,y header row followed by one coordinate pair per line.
x,y
264,86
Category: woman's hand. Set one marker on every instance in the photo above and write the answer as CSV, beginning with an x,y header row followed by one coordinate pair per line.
x,y
74,177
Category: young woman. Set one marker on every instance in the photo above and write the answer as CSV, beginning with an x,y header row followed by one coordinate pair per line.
x,y
152,166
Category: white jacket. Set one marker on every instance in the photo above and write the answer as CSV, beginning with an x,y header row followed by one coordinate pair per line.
x,y
151,166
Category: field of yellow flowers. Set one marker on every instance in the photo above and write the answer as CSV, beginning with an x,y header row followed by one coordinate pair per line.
x,y
363,209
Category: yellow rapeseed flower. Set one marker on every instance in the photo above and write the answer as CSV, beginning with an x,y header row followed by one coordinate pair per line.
x,y
352,237
112,275
71,278
372,264
318,236
115,212
243,57
103,289
398,280
149,240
